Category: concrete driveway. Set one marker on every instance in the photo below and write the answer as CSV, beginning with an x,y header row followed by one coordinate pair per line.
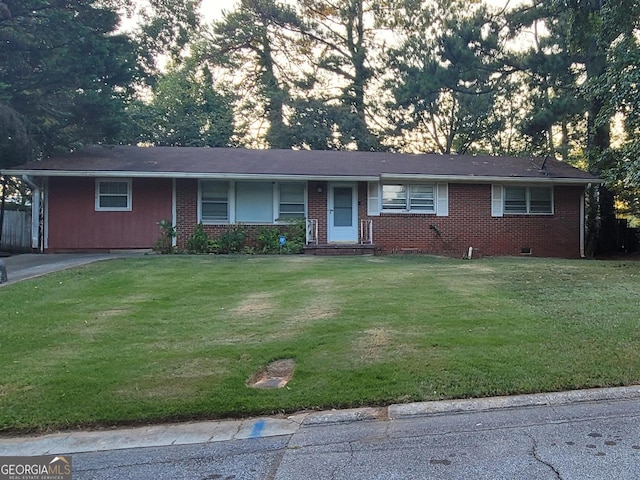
x,y
30,265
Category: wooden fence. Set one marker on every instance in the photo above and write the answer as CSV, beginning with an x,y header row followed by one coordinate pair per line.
x,y
16,230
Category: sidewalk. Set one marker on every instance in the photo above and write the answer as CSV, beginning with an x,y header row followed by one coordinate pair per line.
x,y
224,430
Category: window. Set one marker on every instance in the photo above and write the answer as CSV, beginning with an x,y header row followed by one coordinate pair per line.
x,y
291,201
528,200
113,195
421,198
254,202
394,197
214,202
408,198
515,200
251,202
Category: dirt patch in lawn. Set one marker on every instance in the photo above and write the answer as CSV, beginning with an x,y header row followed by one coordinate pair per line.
x,y
255,304
374,342
275,375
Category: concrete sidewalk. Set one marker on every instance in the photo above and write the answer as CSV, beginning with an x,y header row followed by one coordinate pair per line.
x,y
224,430
31,265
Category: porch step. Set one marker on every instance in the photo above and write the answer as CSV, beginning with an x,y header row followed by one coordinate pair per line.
x,y
340,249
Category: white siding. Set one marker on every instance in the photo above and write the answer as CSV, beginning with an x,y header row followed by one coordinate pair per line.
x,y
442,200
497,202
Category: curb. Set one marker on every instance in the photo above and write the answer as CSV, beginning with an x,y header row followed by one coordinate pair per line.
x,y
225,430
399,411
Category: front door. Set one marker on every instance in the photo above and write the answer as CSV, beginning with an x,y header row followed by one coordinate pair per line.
x,y
343,213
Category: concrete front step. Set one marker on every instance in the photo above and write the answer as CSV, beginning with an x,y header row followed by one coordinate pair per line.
x,y
340,249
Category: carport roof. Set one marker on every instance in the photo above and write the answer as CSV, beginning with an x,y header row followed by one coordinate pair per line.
x,y
198,162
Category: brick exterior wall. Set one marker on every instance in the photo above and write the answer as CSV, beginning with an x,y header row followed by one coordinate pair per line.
x,y
187,216
469,223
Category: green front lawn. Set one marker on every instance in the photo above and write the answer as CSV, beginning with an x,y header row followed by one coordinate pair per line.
x,y
163,338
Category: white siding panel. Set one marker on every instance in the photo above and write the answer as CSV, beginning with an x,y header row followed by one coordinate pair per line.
x,y
497,193
373,199
442,200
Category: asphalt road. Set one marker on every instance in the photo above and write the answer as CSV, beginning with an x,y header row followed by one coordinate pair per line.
x,y
587,440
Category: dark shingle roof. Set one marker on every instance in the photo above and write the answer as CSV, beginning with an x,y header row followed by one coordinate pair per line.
x,y
228,162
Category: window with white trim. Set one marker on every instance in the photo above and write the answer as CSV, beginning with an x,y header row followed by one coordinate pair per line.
x,y
413,197
251,201
113,195
214,202
528,200
291,204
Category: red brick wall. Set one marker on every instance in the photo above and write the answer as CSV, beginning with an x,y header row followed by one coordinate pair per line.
x,y
187,216
186,210
469,223
317,207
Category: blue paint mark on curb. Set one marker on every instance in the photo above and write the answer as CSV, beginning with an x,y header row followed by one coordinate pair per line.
x,y
257,429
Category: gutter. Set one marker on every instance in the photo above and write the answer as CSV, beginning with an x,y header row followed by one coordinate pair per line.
x,y
196,175
307,177
490,179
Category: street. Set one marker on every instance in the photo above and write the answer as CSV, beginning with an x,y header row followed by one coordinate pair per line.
x,y
587,440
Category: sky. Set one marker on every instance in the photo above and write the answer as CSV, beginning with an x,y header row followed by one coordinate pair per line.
x,y
213,8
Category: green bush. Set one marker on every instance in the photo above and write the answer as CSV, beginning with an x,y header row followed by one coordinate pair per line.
x,y
198,242
268,239
231,239
164,244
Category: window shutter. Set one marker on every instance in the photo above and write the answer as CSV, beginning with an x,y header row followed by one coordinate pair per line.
x,y
497,200
442,200
373,199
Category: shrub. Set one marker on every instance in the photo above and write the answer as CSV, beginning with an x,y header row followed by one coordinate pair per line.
x,y
231,239
164,244
198,242
268,239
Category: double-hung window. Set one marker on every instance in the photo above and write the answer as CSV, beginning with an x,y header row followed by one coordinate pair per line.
x,y
291,203
113,195
417,198
528,200
214,202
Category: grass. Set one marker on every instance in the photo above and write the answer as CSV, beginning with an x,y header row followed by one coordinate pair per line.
x,y
166,338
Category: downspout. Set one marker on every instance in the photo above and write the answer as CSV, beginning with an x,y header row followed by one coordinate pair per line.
x,y
174,213
35,212
583,200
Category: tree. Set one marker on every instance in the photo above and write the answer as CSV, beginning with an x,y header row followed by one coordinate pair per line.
x,y
165,30
15,148
447,80
185,110
343,33
580,36
64,70
619,86
256,45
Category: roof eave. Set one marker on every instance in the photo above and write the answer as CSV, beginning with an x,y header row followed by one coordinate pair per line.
x,y
306,177
196,175
490,179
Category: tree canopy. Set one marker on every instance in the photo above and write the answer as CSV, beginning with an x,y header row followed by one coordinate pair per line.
x,y
64,72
